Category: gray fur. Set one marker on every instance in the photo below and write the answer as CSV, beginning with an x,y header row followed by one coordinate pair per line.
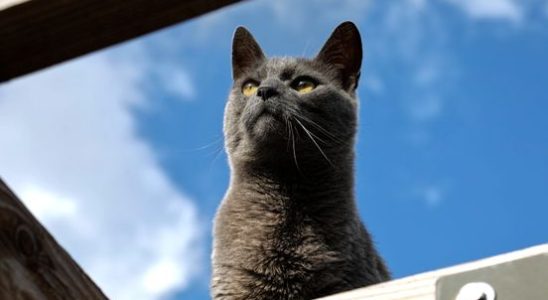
x,y
288,227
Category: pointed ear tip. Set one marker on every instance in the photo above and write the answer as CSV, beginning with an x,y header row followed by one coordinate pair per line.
x,y
348,24
240,30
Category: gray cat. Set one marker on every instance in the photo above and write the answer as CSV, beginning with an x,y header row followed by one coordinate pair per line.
x,y
288,227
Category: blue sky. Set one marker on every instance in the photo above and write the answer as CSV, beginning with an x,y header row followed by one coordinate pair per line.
x,y
119,153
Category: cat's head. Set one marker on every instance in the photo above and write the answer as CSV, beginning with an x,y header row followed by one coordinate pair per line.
x,y
293,106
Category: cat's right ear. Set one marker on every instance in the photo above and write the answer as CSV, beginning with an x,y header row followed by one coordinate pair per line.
x,y
343,52
246,53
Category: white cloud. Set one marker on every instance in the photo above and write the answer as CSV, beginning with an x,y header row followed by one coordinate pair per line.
x,y
432,195
418,3
69,149
425,108
413,36
507,10
173,80
298,13
179,83
373,84
430,82
43,203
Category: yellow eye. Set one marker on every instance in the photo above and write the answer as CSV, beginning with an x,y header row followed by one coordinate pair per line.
x,y
249,88
304,86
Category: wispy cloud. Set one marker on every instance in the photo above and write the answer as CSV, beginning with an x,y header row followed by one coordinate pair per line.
x,y
373,84
432,194
69,148
507,10
297,14
413,36
174,80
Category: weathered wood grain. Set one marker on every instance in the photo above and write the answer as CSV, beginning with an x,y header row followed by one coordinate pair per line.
x,y
36,34
32,264
423,286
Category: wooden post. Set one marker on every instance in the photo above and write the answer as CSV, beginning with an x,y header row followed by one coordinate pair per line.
x,y
36,34
32,264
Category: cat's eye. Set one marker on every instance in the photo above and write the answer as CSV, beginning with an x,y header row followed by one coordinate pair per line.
x,y
249,88
304,85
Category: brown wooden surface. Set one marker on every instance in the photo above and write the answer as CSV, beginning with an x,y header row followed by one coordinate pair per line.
x,y
32,264
36,34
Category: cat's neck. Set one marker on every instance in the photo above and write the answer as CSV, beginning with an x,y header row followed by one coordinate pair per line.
x,y
315,183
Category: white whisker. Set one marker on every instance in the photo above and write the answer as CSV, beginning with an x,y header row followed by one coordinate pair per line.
x,y
294,149
323,130
315,143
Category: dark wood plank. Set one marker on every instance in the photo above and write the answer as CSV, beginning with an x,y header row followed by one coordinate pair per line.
x,y
37,34
32,264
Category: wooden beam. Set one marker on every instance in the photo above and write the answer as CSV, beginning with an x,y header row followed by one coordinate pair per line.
x,y
426,286
36,34
32,264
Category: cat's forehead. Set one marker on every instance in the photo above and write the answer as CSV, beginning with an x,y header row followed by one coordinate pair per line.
x,y
280,64
285,66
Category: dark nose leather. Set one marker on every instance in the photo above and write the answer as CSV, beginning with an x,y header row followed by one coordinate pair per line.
x,y
266,92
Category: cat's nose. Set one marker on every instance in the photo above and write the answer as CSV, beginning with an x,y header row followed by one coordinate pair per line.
x,y
266,92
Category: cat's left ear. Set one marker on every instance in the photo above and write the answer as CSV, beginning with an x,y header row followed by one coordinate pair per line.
x,y
343,52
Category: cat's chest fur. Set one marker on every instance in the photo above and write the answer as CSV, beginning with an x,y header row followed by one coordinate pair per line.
x,y
280,247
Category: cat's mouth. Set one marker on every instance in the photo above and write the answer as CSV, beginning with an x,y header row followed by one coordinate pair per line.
x,y
264,112
264,120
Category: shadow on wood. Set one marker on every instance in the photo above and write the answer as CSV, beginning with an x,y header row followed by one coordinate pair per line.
x,y
32,264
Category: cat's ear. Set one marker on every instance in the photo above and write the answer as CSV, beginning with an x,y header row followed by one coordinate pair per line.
x,y
343,52
246,53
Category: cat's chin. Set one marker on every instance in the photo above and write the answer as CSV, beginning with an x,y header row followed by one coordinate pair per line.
x,y
267,129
